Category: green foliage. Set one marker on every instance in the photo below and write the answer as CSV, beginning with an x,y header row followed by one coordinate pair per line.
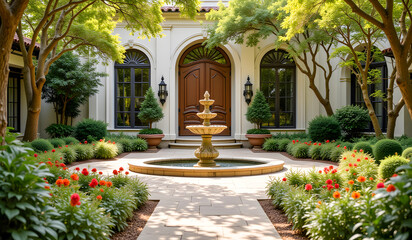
x,y
407,153
24,202
140,190
258,131
41,145
300,150
150,131
335,153
59,130
57,142
70,154
271,144
296,177
259,111
385,148
326,150
83,151
354,164
85,221
150,111
315,151
389,165
405,142
301,136
94,128
70,140
283,143
352,120
365,146
127,144
119,180
105,150
323,128
139,144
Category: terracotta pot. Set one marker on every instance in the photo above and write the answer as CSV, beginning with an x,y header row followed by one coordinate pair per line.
x,y
257,140
152,139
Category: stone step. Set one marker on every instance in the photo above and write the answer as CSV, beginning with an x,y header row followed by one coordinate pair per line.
x,y
196,145
199,140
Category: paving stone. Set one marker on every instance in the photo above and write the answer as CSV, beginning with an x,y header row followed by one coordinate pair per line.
x,y
219,210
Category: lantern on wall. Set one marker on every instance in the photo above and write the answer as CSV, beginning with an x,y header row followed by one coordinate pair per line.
x,y
248,92
162,91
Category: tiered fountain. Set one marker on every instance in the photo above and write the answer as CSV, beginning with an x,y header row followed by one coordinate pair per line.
x,y
206,153
205,156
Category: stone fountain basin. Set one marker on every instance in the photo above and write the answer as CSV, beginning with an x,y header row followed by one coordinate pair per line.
x,y
266,166
206,130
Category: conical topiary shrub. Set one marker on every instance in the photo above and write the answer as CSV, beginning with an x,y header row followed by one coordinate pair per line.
x,y
150,111
259,111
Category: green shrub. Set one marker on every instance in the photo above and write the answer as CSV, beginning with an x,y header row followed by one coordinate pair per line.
x,y
90,127
257,131
323,128
336,153
119,148
405,142
407,153
389,165
352,165
365,146
139,144
70,154
348,145
84,151
70,140
150,111
296,203
126,143
271,144
352,120
151,131
326,150
105,150
385,148
41,145
296,177
259,111
290,147
283,143
119,179
24,202
57,142
315,151
59,130
140,190
85,221
300,150
91,139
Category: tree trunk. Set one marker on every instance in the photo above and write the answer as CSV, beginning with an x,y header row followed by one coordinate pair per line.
x,y
405,84
390,129
64,113
33,114
372,115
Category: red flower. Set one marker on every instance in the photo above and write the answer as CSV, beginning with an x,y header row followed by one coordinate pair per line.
x,y
66,182
351,182
94,170
346,169
358,159
80,142
67,146
109,184
390,188
327,141
75,177
101,190
344,158
59,182
371,178
85,142
121,169
93,183
85,172
320,144
100,173
62,165
350,165
361,150
60,177
361,179
330,167
330,187
47,187
380,185
102,182
336,194
99,197
320,171
284,179
395,175
323,186
355,150
329,181
308,187
366,158
115,172
77,169
347,189
45,151
127,173
344,148
338,145
53,150
35,155
75,199
101,140
355,195
336,185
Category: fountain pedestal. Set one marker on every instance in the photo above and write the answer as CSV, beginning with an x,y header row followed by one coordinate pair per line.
x,y
206,153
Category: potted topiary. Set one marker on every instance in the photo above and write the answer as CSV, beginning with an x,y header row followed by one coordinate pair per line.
x,y
151,112
258,113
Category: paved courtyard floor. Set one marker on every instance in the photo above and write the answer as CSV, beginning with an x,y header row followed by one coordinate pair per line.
x,y
207,208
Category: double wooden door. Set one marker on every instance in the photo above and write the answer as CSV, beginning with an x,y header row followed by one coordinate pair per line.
x,y
194,80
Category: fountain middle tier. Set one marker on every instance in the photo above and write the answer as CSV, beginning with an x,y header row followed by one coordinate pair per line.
x,y
206,130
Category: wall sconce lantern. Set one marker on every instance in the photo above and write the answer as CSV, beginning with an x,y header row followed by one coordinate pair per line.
x,y
248,92
162,91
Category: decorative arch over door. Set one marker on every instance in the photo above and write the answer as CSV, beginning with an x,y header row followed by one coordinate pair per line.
x,y
200,70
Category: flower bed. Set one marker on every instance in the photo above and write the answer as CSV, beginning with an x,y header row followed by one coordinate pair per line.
x,y
348,202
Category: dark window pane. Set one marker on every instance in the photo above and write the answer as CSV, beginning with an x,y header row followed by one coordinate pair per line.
x,y
138,75
123,119
145,72
123,104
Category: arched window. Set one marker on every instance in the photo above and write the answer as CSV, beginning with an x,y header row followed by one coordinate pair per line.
x,y
132,79
377,102
278,84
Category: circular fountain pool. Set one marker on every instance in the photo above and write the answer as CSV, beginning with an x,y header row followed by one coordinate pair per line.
x,y
183,167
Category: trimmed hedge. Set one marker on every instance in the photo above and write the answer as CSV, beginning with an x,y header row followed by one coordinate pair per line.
x,y
41,145
323,128
385,148
388,166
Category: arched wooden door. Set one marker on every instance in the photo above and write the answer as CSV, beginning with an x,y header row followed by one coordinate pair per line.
x,y
200,70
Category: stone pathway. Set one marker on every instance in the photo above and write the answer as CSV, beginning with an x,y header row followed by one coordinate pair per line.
x,y
207,208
